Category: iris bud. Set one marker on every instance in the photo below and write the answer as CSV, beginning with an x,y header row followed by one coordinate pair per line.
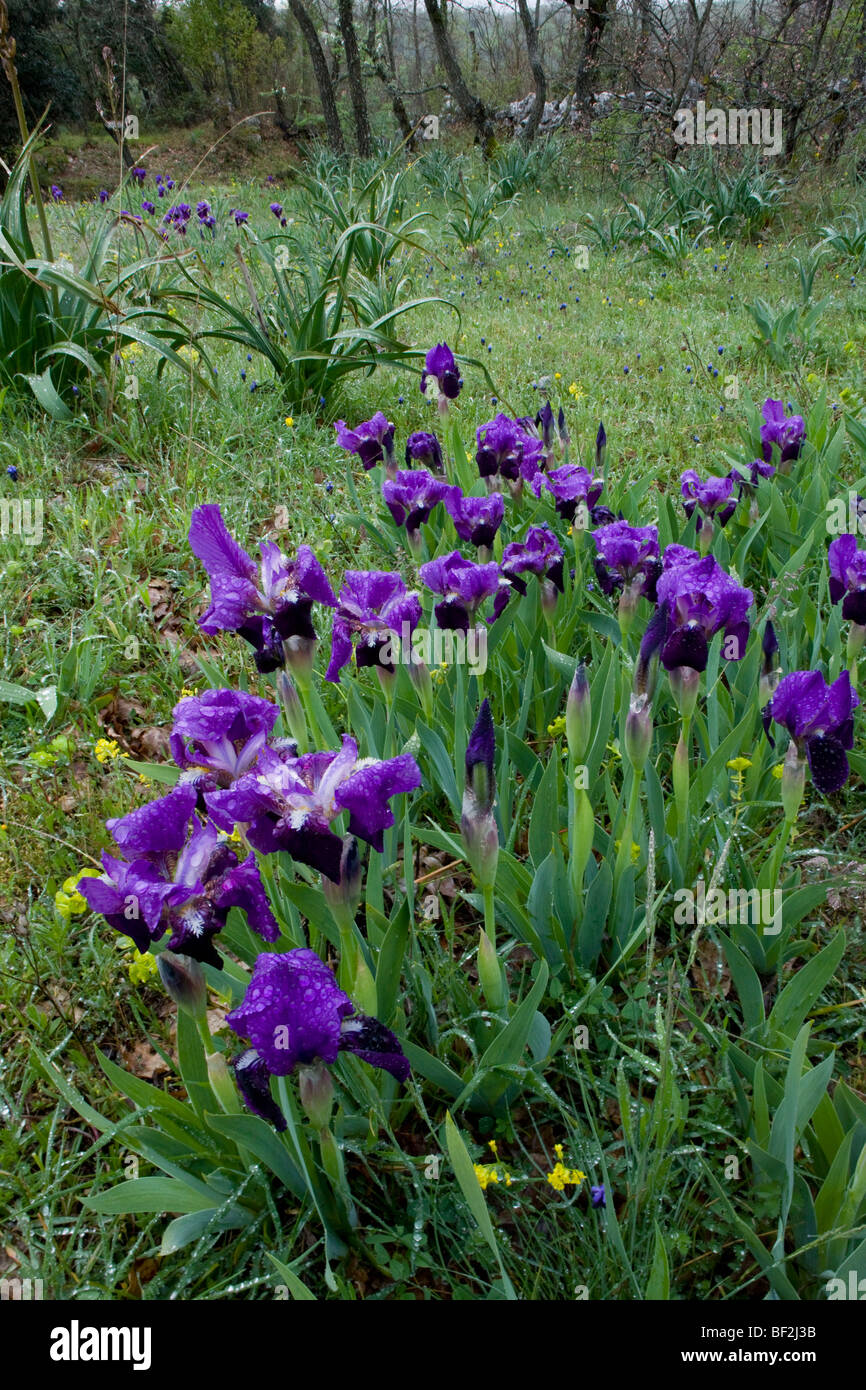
x,y
343,897
490,972
793,781
222,1084
299,653
600,447
685,684
184,981
578,715
769,677
317,1094
477,821
638,732
856,636
292,709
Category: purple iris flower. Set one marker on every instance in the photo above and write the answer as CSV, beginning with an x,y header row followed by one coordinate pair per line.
x,y
175,880
243,887
277,210
757,469
540,554
627,556
476,519
597,1195
268,604
712,496
570,485
240,217
372,440
220,733
441,364
103,195
819,719
424,448
411,496
56,193
295,1015
698,599
288,803
178,217
138,174
372,606
778,428
148,206
504,447
848,577
464,587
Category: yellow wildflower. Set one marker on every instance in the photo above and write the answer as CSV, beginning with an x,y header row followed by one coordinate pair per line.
x,y
562,1177
68,902
142,968
485,1173
289,421
635,850
106,750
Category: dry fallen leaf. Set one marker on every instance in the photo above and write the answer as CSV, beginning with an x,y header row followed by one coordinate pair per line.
x,y
142,1060
710,973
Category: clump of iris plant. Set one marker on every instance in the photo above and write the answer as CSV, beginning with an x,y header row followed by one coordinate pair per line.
x,y
440,365
783,432
712,499
847,567
372,441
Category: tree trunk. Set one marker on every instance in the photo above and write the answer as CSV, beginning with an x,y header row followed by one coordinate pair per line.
x,y
416,43
530,29
597,16
472,108
323,77
387,75
363,137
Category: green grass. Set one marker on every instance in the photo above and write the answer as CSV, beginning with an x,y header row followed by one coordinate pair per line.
x,y
114,581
